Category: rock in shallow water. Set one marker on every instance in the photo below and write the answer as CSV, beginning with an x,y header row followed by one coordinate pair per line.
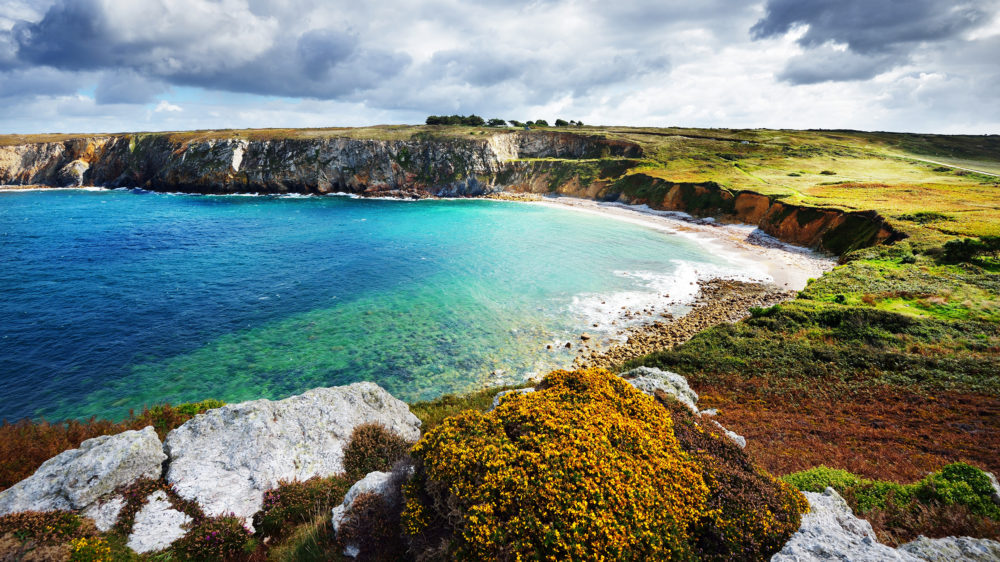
x,y
157,525
75,479
226,458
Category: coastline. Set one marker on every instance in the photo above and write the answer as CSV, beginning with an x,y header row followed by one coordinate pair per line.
x,y
773,272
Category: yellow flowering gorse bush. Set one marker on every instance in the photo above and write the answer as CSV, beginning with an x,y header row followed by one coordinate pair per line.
x,y
586,467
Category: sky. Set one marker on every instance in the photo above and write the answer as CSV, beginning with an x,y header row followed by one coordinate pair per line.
x,y
151,65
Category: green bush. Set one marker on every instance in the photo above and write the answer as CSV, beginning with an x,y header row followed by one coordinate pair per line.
x,y
373,447
955,484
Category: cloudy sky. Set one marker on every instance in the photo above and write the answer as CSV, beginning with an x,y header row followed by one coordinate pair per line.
x,y
144,65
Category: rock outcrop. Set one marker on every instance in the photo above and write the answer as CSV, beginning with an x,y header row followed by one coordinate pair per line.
x,y
157,525
373,483
649,380
76,479
226,458
950,549
830,531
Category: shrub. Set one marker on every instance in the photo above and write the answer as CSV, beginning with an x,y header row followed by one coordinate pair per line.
x,y
749,514
372,525
294,503
828,173
819,478
541,123
86,549
46,527
373,447
963,250
216,538
584,468
956,500
562,123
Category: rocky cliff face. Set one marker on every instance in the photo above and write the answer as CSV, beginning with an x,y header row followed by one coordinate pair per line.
x,y
537,161
419,166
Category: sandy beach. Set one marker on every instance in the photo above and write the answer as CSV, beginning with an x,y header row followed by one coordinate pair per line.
x,y
771,272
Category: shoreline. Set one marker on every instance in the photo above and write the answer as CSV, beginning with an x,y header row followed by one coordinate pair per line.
x,y
718,301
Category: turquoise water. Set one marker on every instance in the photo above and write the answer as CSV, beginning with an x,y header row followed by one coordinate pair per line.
x,y
113,300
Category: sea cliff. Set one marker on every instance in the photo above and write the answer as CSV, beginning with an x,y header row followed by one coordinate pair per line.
x,y
422,165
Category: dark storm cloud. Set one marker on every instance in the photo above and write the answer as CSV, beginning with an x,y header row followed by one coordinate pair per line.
x,y
874,37
870,27
240,52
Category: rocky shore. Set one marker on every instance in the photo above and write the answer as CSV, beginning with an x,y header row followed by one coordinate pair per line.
x,y
719,301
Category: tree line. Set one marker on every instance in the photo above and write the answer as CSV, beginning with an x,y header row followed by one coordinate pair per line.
x,y
477,121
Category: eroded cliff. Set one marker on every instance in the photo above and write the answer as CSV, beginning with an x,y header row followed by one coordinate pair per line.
x,y
423,165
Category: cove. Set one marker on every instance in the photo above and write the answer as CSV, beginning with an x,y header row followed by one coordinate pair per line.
x,y
118,299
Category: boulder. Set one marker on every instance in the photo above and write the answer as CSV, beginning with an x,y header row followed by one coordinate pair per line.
x,y
830,531
157,525
105,512
76,479
649,380
380,483
950,549
502,393
226,458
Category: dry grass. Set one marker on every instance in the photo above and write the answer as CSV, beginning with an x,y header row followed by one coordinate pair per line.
x,y
886,434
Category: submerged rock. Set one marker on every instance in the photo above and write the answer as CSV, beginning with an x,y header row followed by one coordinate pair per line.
x,y
226,458
157,525
76,479
649,380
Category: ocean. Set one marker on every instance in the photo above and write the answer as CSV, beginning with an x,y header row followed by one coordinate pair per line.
x,y
113,300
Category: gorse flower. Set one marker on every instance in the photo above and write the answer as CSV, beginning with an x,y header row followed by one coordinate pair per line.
x,y
585,468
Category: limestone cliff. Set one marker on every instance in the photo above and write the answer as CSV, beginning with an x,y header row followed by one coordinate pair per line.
x,y
422,165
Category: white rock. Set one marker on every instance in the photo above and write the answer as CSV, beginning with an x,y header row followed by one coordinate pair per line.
x,y
226,458
649,380
953,549
75,479
830,531
157,525
732,435
105,512
374,482
502,393
996,487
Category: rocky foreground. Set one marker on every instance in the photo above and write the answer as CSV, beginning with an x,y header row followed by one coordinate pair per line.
x,y
225,459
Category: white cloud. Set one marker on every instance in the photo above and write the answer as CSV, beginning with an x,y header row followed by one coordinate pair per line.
x,y
164,105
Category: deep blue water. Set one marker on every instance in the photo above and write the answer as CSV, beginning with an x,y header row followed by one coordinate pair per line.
x,y
113,300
